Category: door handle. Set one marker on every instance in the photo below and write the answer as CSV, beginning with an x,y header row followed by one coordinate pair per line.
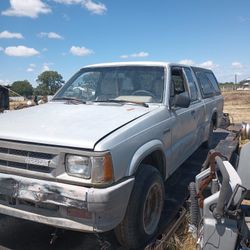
x,y
166,131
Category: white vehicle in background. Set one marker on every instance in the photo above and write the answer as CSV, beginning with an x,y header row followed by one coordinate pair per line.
x,y
96,156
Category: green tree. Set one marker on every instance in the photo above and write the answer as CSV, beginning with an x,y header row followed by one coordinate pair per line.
x,y
23,88
49,82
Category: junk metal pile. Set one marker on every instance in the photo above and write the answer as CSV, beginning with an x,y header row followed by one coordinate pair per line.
x,y
220,195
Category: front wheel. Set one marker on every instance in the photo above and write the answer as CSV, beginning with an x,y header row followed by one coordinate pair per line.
x,y
143,213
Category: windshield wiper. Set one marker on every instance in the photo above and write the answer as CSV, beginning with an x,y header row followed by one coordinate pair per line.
x,y
124,101
70,100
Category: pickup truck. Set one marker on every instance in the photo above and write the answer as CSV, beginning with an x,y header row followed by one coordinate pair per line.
x,y
95,158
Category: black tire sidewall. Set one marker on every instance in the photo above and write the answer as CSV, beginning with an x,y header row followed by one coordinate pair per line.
x,y
145,179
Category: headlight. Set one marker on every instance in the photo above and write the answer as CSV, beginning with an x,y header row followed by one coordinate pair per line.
x,y
98,168
78,166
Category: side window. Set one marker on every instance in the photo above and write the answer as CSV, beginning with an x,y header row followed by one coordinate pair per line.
x,y
177,81
206,86
213,81
192,85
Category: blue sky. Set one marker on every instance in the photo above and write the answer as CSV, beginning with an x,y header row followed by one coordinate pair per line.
x,y
65,35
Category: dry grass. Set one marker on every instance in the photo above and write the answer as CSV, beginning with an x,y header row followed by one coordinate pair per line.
x,y
14,105
182,239
237,104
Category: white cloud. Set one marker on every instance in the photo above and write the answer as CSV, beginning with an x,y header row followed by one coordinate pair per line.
x,y
45,49
27,8
4,82
68,1
140,54
46,67
30,69
124,56
20,51
237,65
51,35
136,55
208,64
95,8
6,34
187,62
80,51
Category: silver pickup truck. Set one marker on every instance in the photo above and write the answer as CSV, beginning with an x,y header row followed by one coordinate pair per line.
x,y
95,158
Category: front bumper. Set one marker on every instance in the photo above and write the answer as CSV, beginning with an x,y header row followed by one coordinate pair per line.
x,y
64,205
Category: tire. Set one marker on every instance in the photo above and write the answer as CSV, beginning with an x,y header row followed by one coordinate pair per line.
x,y
210,142
140,223
194,207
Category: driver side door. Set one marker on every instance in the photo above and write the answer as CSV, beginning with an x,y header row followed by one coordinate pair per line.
x,y
183,129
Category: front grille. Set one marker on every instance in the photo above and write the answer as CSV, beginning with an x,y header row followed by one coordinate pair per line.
x,y
24,159
26,153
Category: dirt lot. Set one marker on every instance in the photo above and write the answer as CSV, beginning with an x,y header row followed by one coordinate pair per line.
x,y
237,104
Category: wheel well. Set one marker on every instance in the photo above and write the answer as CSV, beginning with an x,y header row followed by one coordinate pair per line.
x,y
214,119
156,159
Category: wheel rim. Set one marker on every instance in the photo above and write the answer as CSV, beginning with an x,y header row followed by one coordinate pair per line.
x,y
152,208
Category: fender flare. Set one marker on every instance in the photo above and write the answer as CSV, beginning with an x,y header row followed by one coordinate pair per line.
x,y
142,152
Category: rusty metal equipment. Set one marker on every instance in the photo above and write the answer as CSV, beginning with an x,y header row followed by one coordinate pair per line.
x,y
209,163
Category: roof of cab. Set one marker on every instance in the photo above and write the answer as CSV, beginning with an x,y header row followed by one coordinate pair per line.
x,y
118,64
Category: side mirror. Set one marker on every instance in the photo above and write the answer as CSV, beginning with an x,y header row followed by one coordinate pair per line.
x,y
182,100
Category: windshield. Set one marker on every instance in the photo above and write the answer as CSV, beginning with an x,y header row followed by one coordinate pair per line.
x,y
126,83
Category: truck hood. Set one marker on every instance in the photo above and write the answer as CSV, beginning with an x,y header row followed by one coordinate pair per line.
x,y
61,124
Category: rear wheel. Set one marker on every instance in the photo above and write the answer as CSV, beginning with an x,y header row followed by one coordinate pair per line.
x,y
143,213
